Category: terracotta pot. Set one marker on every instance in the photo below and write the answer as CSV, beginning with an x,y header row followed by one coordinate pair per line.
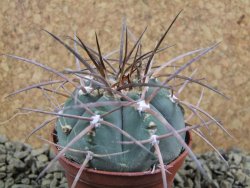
x,y
91,178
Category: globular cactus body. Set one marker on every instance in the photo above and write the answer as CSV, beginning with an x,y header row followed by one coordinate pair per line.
x,y
139,124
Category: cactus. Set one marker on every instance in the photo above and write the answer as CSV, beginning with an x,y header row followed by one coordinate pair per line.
x,y
137,123
121,117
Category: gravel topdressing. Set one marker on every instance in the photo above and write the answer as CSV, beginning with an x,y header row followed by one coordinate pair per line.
x,y
20,165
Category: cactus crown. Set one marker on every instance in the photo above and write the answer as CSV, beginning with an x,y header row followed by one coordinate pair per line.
x,y
120,117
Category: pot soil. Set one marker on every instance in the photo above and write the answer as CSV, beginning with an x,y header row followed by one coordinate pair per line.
x,y
91,178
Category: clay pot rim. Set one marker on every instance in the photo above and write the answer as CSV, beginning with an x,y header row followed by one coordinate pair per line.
x,y
111,173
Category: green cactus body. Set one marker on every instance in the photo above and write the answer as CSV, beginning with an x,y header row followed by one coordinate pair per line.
x,y
65,125
106,140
